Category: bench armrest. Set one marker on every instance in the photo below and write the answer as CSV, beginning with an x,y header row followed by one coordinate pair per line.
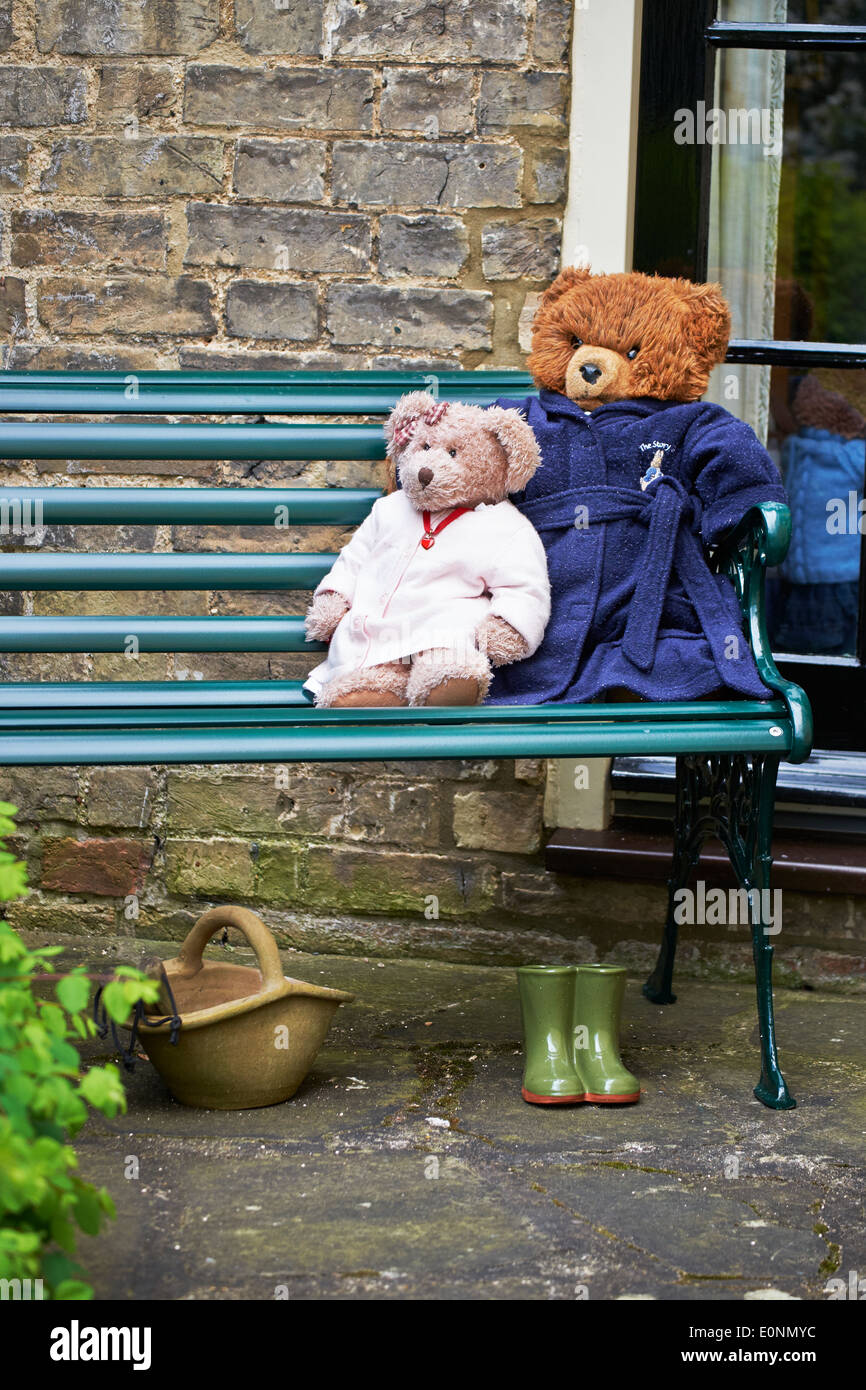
x,y
759,541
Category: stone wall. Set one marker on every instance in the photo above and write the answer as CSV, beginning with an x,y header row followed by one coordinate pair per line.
x,y
278,182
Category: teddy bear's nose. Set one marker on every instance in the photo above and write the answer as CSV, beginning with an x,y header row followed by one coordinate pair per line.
x,y
590,372
425,476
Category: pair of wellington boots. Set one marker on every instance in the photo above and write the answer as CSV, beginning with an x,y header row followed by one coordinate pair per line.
x,y
571,1016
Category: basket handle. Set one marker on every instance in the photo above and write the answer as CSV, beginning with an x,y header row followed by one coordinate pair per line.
x,y
189,960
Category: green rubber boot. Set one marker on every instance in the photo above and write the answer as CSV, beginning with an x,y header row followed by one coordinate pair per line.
x,y
547,1009
598,996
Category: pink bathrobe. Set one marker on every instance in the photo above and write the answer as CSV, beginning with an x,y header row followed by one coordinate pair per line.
x,y
405,599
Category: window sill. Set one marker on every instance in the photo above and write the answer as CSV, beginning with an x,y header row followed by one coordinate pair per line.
x,y
804,865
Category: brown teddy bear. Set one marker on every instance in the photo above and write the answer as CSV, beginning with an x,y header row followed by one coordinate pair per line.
x,y
639,476
445,577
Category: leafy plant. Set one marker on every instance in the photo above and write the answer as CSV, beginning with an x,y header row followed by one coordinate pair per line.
x,y
44,1095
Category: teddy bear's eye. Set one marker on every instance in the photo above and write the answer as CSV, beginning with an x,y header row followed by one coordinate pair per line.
x,y
632,353
425,446
575,341
453,453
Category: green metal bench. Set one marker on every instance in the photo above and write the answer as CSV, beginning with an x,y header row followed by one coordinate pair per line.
x,y
727,752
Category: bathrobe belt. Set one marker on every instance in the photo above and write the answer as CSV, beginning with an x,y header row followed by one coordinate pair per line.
x,y
669,512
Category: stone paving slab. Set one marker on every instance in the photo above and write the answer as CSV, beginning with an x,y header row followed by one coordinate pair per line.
x,y
408,1167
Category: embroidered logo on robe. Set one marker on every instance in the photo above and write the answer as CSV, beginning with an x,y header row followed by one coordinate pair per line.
x,y
654,471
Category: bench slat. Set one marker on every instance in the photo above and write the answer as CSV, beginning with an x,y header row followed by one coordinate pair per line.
x,y
71,696
349,740
223,401
503,378
197,634
299,710
80,571
27,508
109,695
267,393
107,439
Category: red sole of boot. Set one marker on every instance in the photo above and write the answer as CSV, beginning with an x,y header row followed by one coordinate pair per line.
x,y
533,1099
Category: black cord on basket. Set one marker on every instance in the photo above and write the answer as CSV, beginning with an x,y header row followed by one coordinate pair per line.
x,y
104,1024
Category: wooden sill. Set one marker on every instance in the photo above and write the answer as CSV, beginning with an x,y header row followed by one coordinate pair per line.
x,y
806,865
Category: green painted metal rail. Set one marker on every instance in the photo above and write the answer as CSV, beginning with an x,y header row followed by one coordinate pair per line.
x,y
135,634
164,571
348,740
24,509
203,695
108,439
244,393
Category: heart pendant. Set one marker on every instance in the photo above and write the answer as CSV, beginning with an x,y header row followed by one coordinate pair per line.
x,y
426,541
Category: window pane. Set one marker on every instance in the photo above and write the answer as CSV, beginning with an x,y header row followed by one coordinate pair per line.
x,y
822,198
819,237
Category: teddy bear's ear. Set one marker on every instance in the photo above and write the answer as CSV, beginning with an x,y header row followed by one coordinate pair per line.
x,y
519,443
400,424
708,320
566,279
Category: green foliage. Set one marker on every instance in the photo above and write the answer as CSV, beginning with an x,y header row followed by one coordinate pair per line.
x,y
44,1097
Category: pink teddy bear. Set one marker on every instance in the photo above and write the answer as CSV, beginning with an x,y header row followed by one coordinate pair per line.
x,y
445,576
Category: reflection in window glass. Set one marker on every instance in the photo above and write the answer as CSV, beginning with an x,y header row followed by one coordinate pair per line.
x,y
818,434
822,197
817,438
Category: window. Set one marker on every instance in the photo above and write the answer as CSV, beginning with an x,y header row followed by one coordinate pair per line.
x,y
764,188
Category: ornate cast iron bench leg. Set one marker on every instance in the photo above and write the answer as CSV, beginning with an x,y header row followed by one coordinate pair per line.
x,y
738,792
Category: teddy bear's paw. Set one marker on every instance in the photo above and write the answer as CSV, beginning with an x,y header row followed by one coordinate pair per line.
x,y
369,687
323,616
501,642
444,677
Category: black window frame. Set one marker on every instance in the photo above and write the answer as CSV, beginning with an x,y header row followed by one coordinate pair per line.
x,y
679,43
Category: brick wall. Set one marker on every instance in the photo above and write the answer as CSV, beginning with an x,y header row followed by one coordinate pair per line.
x,y
291,183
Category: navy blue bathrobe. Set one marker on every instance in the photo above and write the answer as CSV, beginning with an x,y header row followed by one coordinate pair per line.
x,y
635,604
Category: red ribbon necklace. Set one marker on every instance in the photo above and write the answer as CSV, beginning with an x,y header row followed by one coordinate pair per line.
x,y
429,536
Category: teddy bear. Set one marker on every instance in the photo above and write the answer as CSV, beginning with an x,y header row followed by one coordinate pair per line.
x,y
445,578
639,478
